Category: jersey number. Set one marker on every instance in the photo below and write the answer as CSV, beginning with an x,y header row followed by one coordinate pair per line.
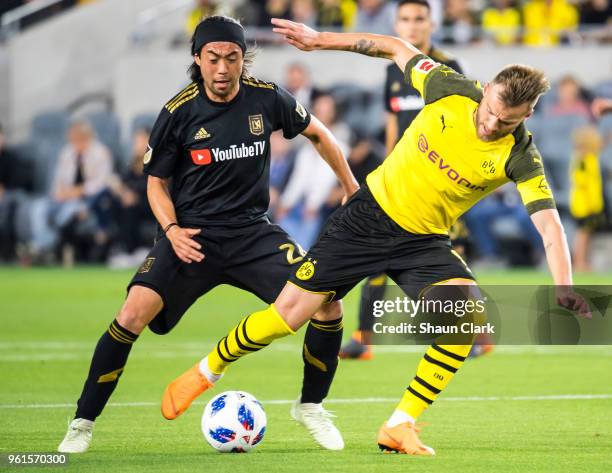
x,y
290,247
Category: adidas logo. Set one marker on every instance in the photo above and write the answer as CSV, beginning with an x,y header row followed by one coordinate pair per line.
x,y
201,134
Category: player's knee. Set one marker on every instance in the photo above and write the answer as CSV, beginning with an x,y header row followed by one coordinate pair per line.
x,y
137,312
331,311
297,306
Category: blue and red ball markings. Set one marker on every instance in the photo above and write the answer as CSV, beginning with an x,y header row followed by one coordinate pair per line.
x,y
245,417
222,435
259,436
218,404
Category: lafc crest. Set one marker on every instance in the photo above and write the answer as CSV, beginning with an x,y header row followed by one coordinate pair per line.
x,y
256,124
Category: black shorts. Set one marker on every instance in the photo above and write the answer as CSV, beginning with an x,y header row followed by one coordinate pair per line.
x,y
360,240
257,258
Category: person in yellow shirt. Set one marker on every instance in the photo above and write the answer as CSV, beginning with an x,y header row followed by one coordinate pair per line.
x,y
201,9
502,22
465,142
546,21
586,193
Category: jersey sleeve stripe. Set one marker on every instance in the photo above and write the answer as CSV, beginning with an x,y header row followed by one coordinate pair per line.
x,y
183,93
183,100
542,204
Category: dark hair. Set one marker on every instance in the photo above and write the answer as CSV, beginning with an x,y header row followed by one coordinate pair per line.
x,y
193,71
423,3
522,84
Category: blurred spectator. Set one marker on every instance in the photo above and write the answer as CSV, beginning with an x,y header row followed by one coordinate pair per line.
x,y
337,13
503,203
586,193
281,163
364,157
595,12
134,215
81,204
202,9
375,16
548,22
312,180
460,23
262,11
502,22
298,83
569,99
601,106
304,11
9,197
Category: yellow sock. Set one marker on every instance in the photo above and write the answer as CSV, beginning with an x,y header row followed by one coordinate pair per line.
x,y
253,333
436,369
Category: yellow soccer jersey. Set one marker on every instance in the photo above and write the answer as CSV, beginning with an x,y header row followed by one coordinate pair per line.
x,y
439,168
586,191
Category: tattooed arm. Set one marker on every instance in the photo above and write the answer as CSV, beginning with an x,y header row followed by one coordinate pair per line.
x,y
375,45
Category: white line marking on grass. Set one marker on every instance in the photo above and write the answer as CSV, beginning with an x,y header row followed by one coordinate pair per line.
x,y
14,352
364,400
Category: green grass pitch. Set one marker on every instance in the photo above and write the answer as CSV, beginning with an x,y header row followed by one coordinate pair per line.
x,y
540,409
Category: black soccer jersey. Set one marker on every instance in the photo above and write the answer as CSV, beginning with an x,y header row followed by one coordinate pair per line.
x,y
403,99
218,154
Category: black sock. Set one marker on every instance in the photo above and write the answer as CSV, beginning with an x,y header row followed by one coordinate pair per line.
x,y
320,355
107,364
374,289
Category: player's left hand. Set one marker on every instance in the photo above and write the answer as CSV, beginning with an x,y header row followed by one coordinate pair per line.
x,y
566,297
296,34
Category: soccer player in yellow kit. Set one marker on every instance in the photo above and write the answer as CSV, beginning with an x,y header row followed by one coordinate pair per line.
x,y
465,143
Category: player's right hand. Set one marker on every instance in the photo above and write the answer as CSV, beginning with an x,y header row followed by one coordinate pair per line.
x,y
296,34
183,244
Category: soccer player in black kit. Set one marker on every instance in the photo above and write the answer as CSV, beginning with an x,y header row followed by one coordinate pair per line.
x,y
208,186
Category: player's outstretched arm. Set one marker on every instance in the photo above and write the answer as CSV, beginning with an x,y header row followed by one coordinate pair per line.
x,y
375,45
548,223
327,147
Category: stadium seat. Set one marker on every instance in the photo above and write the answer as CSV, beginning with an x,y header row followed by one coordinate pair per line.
x,y
108,130
50,125
142,120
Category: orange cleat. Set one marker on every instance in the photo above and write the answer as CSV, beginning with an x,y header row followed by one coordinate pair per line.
x,y
181,392
357,348
402,438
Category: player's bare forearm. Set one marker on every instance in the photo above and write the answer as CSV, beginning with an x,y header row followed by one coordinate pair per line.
x,y
183,244
375,45
160,201
549,225
326,145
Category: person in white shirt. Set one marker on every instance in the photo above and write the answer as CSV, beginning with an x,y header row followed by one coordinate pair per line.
x,y
311,181
80,190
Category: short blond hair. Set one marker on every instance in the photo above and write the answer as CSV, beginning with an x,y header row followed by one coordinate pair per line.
x,y
521,84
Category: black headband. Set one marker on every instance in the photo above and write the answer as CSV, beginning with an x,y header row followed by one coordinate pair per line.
x,y
211,31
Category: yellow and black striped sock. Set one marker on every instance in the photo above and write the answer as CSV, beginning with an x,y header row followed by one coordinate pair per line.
x,y
320,354
254,332
109,359
436,369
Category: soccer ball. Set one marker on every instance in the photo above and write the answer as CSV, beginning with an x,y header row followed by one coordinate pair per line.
x,y
233,421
